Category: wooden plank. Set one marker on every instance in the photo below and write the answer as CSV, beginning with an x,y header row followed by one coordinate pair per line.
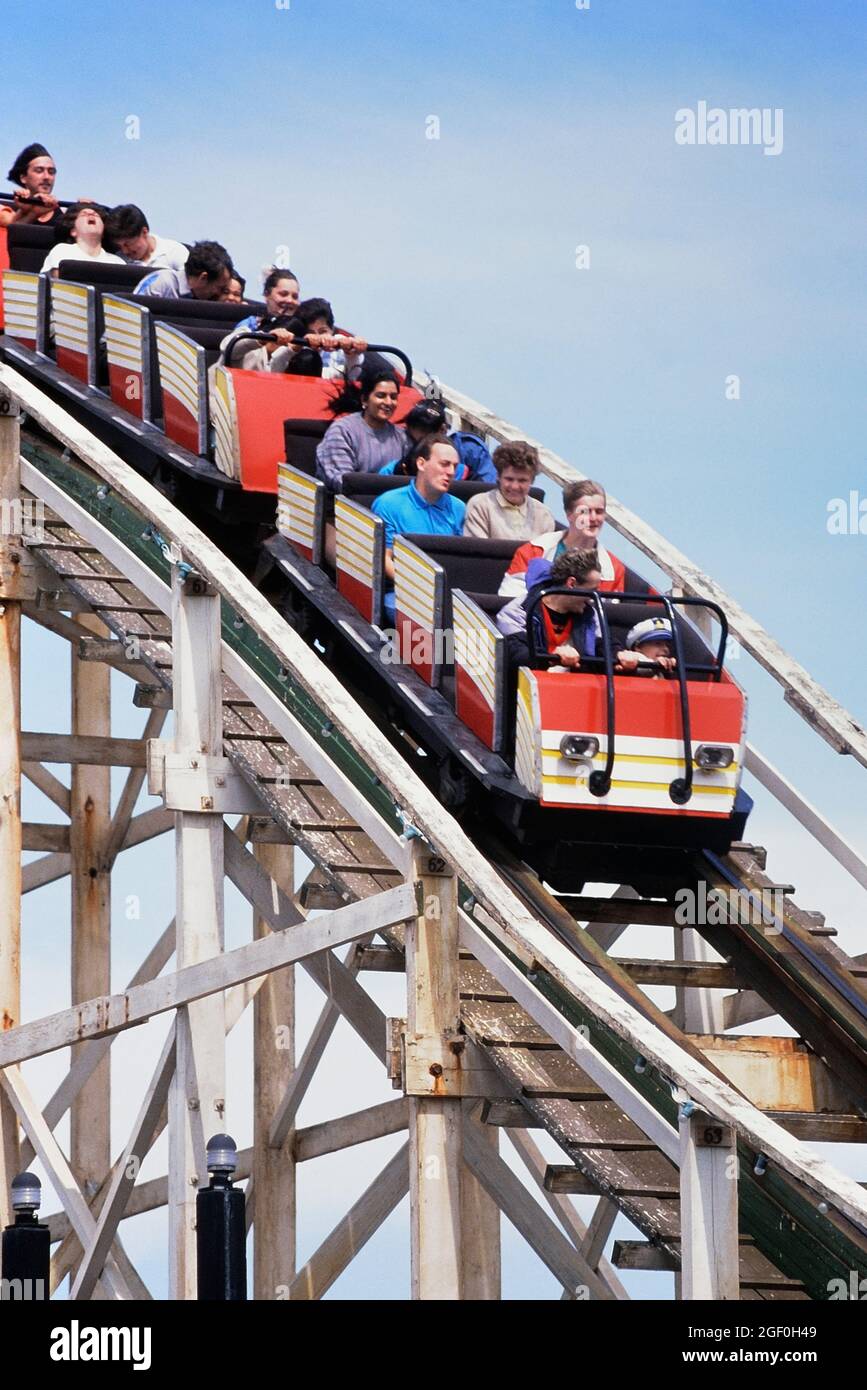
x,y
54,866
481,1260
90,890
380,958
330,1136
697,974
196,1102
435,1119
112,1013
566,1179
823,1129
45,837
619,911
77,749
507,1114
274,1227
598,1231
640,1254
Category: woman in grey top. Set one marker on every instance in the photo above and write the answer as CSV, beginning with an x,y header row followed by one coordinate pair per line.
x,y
365,442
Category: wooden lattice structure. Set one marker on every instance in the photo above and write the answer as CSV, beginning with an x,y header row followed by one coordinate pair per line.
x,y
508,1026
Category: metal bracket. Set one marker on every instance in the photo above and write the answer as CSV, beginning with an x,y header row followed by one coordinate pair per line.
x,y
198,782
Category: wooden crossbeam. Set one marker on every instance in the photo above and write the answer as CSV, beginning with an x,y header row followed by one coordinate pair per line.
x,y
48,784
54,866
554,1250
111,1013
44,836
390,1117
697,974
72,748
576,1229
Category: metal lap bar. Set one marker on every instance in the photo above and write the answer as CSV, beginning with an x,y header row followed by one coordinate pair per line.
x,y
680,789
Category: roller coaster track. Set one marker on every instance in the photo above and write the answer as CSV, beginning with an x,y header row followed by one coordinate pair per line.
x,y
563,1032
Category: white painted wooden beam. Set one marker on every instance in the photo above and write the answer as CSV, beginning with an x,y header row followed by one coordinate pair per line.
x,y
525,1214
435,1118
111,1014
708,1208
330,1136
196,1104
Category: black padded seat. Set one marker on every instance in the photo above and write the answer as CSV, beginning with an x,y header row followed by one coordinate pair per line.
x,y
624,615
108,278
207,311
364,487
205,334
489,603
302,439
29,245
470,563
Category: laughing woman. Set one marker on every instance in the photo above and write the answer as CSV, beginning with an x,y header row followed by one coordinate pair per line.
x,y
84,225
363,441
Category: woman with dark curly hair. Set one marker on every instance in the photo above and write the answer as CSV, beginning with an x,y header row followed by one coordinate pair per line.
x,y
84,225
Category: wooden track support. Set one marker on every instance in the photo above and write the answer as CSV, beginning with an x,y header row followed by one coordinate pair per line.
x,y
197,1096
10,788
708,1207
432,1081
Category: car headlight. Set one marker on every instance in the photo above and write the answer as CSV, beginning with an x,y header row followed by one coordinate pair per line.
x,y
577,748
714,757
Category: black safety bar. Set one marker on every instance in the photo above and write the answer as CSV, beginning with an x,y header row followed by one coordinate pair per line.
x,y
9,200
302,342
599,782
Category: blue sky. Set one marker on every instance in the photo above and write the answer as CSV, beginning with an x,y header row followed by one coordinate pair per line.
x,y
306,127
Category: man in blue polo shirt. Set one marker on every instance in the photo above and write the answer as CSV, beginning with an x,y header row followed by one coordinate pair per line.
x,y
424,507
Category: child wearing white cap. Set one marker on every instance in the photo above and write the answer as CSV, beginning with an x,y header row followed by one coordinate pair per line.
x,y
649,641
